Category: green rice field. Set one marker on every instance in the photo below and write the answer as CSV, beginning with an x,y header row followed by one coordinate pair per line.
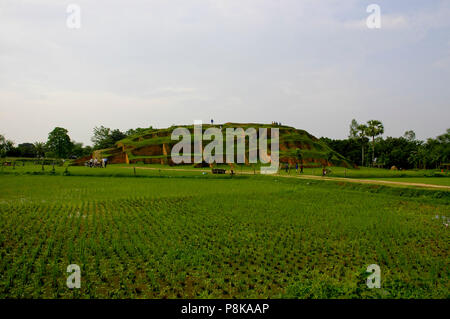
x,y
185,234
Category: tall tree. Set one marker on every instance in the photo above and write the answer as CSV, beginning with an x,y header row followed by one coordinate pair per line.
x,y
358,131
353,134
59,142
374,128
362,134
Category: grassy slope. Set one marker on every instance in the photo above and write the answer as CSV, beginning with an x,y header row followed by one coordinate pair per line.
x,y
209,236
288,137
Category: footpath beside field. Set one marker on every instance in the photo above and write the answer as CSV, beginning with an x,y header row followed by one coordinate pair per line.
x,y
314,177
371,181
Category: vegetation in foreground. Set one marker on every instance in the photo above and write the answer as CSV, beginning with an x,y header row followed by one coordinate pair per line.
x,y
33,166
217,237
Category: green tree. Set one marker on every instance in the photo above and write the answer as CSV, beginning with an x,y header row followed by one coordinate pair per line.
x,y
374,128
409,135
437,151
413,159
27,150
362,134
40,149
138,130
104,137
354,130
116,135
397,151
5,146
358,132
350,148
59,142
2,146
101,137
422,155
79,150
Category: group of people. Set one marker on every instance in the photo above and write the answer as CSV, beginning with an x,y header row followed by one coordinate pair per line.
x,y
94,162
287,168
276,123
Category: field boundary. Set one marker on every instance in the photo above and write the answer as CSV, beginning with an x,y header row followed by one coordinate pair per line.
x,y
313,177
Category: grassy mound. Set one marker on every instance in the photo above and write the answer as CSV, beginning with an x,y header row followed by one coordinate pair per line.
x,y
153,146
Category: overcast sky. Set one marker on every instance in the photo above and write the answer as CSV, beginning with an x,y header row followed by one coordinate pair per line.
x,y
310,64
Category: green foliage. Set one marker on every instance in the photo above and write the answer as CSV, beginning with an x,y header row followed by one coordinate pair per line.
x,y
188,235
138,131
5,146
59,143
349,148
403,152
27,150
298,154
410,135
40,149
311,149
354,130
79,150
104,137
373,129
396,152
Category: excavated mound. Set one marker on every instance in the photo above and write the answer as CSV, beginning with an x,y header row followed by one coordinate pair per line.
x,y
154,146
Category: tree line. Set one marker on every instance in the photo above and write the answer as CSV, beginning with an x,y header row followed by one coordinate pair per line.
x,y
365,147
60,145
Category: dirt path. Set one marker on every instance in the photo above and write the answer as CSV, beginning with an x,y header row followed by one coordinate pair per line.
x,y
373,181
313,177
